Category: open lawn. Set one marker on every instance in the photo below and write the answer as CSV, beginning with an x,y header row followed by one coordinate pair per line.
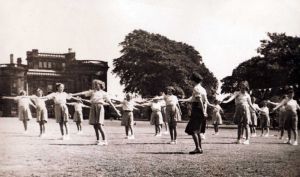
x,y
28,155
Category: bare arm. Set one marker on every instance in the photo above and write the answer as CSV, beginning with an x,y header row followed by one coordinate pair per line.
x,y
230,99
279,105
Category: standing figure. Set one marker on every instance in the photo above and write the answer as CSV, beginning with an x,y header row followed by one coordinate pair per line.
x,y
281,116
173,112
163,112
60,109
253,124
291,107
98,98
242,111
199,112
128,105
156,117
264,119
78,116
41,111
216,116
24,112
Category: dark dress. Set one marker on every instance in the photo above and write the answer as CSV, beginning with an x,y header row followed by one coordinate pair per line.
x,y
197,118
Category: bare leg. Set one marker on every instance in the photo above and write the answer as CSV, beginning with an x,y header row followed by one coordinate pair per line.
x,y
247,132
175,133
239,131
66,127
25,124
61,126
41,128
101,131
196,140
96,131
131,130
126,130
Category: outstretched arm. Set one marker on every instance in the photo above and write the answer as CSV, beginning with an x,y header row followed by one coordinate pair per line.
x,y
279,105
272,103
230,99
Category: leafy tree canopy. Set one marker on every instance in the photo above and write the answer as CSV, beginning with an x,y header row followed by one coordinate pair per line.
x,y
277,65
150,62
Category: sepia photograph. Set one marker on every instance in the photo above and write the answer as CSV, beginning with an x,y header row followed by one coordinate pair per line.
x,y
149,88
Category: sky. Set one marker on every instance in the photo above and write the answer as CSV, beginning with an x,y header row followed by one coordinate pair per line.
x,y
225,32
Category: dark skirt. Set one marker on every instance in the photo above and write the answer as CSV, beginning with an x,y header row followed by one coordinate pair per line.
x,y
197,117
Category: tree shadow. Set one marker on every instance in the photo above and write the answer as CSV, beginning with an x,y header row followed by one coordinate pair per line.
x,y
167,153
64,144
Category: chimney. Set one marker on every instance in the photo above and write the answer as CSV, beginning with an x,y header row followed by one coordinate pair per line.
x,y
69,50
19,61
11,56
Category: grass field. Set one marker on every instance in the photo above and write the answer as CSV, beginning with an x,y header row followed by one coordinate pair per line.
x,y
28,155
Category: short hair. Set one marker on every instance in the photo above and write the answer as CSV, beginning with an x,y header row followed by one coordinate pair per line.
x,y
22,92
172,89
290,90
196,77
97,81
58,85
39,90
245,84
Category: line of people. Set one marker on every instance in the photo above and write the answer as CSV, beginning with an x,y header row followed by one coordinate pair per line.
x,y
165,110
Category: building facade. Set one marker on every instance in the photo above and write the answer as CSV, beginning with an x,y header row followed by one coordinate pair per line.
x,y
44,70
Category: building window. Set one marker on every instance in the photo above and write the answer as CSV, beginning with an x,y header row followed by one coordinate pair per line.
x,y
45,64
40,64
49,65
63,65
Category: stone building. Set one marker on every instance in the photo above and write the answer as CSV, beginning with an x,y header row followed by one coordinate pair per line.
x,y
42,71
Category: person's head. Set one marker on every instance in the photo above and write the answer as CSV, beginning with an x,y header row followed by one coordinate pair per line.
x,y
244,86
98,84
284,96
170,90
196,77
264,103
290,93
253,99
60,87
128,97
22,92
39,92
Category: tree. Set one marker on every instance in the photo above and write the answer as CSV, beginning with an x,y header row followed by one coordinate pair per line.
x,y
278,64
150,62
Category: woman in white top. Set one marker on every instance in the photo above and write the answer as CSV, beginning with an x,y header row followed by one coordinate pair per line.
x,y
78,116
291,107
98,97
24,112
128,105
60,109
242,111
41,111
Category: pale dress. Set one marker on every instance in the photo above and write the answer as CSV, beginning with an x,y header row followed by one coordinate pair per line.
x,y
60,108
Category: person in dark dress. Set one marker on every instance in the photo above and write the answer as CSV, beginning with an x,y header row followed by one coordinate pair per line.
x,y
199,104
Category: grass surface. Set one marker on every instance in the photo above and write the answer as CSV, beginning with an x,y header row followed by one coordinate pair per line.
x,y
29,155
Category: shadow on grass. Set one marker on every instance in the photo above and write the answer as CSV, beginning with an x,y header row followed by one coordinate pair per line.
x,y
219,143
57,144
139,143
164,153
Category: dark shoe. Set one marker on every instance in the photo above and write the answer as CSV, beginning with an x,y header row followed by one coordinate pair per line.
x,y
196,151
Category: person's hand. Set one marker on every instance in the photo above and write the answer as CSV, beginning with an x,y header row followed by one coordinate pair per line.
x,y
205,114
118,112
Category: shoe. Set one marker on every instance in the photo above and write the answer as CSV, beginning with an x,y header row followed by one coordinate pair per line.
x,y
238,142
172,142
159,134
131,137
254,135
196,151
175,141
295,143
280,137
126,137
25,132
244,137
61,138
288,142
266,135
104,143
247,142
98,143
217,133
166,133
